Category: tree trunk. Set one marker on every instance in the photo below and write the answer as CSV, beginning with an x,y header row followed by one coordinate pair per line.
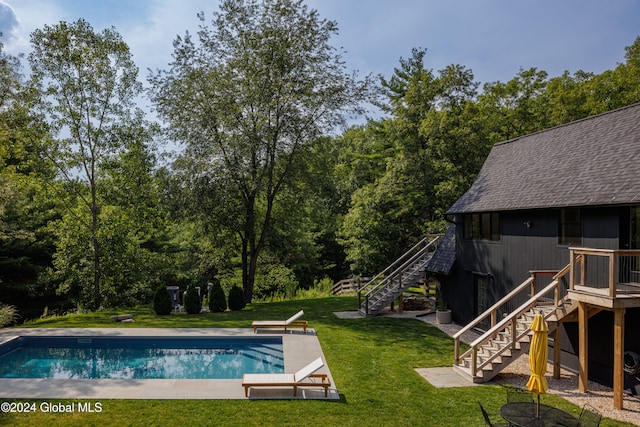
x,y
96,247
249,261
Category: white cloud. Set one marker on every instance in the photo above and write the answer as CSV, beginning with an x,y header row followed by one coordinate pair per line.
x,y
151,38
30,15
9,24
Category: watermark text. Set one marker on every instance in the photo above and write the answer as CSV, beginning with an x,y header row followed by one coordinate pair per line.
x,y
49,407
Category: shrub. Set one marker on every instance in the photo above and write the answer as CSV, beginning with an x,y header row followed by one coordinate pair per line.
x,y
217,300
279,280
162,301
192,303
8,315
236,298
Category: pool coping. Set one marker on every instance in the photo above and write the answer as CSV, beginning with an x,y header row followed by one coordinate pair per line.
x,y
299,349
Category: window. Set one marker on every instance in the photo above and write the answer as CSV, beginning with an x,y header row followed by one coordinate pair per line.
x,y
482,226
570,227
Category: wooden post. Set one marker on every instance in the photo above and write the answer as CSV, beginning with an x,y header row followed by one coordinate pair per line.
x,y
583,347
618,357
613,274
400,303
532,289
572,268
557,351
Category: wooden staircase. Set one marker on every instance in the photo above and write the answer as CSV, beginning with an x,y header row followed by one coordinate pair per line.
x,y
405,272
509,336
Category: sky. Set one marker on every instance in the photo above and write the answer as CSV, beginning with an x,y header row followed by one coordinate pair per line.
x,y
493,38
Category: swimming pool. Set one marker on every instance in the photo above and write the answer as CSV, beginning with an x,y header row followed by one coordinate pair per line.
x,y
298,350
81,357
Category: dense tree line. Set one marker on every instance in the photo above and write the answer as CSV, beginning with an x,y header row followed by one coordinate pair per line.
x,y
269,191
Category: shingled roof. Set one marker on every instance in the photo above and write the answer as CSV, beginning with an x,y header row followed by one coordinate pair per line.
x,y
444,257
590,162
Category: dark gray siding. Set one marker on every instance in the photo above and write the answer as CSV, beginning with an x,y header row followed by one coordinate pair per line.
x,y
521,249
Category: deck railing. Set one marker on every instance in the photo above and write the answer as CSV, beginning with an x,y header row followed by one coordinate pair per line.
x,y
605,271
551,294
386,278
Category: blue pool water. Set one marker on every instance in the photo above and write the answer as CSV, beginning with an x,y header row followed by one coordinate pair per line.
x,y
139,357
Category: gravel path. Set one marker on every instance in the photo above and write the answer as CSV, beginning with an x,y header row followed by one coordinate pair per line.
x,y
517,374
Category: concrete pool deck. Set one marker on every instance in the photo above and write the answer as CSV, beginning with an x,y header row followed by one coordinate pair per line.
x,y
299,349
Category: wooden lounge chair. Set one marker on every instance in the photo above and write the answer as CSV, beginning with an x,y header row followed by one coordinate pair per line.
x,y
291,322
303,378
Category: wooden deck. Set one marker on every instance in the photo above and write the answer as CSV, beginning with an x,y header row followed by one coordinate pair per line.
x,y
604,279
601,298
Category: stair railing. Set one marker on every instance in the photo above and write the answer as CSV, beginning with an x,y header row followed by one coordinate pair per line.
x,y
509,321
385,278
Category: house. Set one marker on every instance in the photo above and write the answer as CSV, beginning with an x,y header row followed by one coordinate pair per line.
x,y
569,195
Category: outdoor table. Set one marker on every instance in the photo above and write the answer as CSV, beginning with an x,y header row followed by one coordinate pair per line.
x,y
525,414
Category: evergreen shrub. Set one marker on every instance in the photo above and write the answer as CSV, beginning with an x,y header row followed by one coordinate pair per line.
x,y
192,302
217,300
236,298
162,301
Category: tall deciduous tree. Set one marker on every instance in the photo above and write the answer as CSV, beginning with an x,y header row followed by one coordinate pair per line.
x,y
246,96
25,245
88,83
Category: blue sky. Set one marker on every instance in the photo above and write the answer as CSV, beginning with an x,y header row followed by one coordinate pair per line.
x,y
493,38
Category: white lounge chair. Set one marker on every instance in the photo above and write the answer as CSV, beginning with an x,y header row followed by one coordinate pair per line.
x,y
303,378
291,322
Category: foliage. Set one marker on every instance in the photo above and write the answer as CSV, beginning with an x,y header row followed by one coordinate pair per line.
x,y
85,212
8,315
402,173
258,85
236,298
217,299
162,304
320,289
26,205
405,196
192,301
86,82
278,280
441,304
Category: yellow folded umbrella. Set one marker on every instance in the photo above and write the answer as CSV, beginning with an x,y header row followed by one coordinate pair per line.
x,y
538,355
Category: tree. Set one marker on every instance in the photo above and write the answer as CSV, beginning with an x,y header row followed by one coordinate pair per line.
x,y
26,246
87,82
517,107
255,87
421,157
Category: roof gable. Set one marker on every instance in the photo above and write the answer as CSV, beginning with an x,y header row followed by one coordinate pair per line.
x,y
594,161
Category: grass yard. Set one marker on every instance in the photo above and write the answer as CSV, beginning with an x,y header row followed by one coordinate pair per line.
x,y
372,362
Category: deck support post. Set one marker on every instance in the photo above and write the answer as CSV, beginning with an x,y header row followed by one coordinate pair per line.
x,y
618,357
583,346
557,351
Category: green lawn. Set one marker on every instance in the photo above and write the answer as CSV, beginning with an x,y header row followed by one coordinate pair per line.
x,y
372,362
